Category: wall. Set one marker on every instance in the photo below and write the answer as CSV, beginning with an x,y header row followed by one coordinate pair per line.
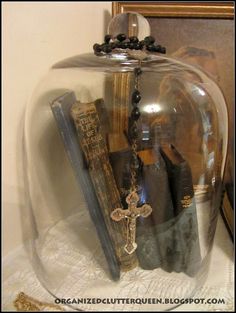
x,y
35,36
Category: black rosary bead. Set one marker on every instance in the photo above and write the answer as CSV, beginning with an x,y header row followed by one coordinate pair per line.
x,y
142,43
136,46
158,48
107,38
97,47
134,131
131,45
121,37
137,71
136,97
135,114
123,42
163,50
124,45
133,39
149,40
151,48
112,45
106,48
119,45
127,45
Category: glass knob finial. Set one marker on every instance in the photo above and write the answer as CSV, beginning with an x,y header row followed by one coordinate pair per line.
x,y
130,24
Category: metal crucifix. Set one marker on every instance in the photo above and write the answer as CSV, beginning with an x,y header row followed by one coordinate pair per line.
x,y
131,214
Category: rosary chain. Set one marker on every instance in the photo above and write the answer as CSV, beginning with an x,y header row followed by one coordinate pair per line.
x,y
134,145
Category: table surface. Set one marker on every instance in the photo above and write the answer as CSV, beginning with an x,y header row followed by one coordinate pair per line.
x,y
18,276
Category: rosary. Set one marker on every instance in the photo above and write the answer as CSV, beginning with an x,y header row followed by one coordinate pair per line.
x,y
133,211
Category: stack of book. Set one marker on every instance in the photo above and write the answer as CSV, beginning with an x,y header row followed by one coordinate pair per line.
x,y
168,238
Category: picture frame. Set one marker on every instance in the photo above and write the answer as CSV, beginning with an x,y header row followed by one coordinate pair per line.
x,y
217,9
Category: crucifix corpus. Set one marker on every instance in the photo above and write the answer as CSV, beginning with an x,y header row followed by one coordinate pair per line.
x,y
131,214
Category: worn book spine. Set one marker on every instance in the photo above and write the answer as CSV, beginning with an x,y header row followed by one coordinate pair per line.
x,y
157,194
180,178
95,151
61,108
185,230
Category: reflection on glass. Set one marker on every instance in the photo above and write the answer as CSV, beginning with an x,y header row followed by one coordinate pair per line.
x,y
152,108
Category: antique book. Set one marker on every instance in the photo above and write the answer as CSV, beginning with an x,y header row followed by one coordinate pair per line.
x,y
174,216
150,232
152,188
94,147
185,229
61,108
180,177
168,238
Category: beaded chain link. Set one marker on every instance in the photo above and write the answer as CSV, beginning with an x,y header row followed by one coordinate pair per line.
x,y
123,42
135,115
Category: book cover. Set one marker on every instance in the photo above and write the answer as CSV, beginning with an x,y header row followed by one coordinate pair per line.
x,y
61,109
185,228
93,144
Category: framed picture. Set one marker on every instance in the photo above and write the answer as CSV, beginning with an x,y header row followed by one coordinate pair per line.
x,y
201,33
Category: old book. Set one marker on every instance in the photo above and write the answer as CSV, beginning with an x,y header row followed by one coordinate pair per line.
x,y
180,178
61,108
185,228
152,188
117,142
168,238
152,239
93,145
118,89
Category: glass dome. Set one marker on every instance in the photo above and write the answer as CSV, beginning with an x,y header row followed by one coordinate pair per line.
x,y
80,142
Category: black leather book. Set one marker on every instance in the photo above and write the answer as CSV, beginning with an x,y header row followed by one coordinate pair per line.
x,y
168,238
152,231
152,188
185,229
180,178
147,250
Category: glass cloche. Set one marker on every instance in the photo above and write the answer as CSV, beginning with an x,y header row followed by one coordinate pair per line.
x,y
124,158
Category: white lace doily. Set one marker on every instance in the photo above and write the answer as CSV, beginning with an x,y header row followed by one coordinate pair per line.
x,y
88,278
